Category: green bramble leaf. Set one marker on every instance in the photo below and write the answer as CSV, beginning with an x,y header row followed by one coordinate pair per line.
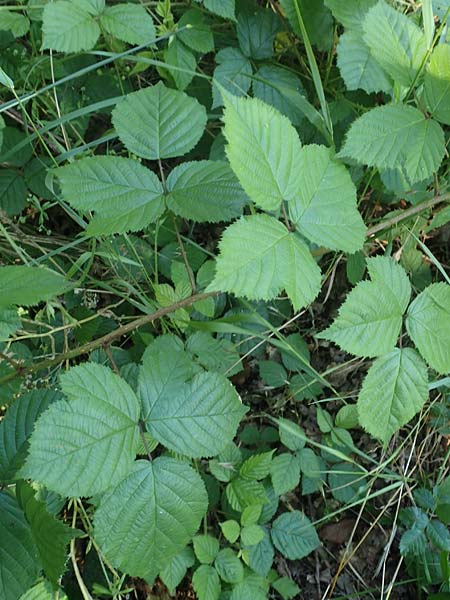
x,y
370,319
206,548
166,367
428,325
294,535
175,569
63,454
257,466
396,136
223,8
229,567
251,535
233,73
149,516
273,373
263,148
286,588
215,354
359,68
50,535
195,32
14,22
324,210
201,420
19,564
346,482
309,463
281,89
251,515
256,31
350,13
16,427
206,583
198,417
395,41
130,23
316,17
205,191
253,587
291,435
437,84
439,535
43,590
285,473
94,7
9,322
124,195
144,121
68,27
231,530
259,257
13,192
179,56
261,555
27,286
413,542
393,392
242,493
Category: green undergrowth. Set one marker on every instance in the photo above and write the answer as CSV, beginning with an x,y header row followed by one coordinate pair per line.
x,y
225,299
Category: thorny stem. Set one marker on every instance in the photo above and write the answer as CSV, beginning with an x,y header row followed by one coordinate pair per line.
x,y
406,214
11,361
106,339
108,353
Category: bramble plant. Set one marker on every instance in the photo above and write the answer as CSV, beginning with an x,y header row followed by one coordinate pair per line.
x,y
192,385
